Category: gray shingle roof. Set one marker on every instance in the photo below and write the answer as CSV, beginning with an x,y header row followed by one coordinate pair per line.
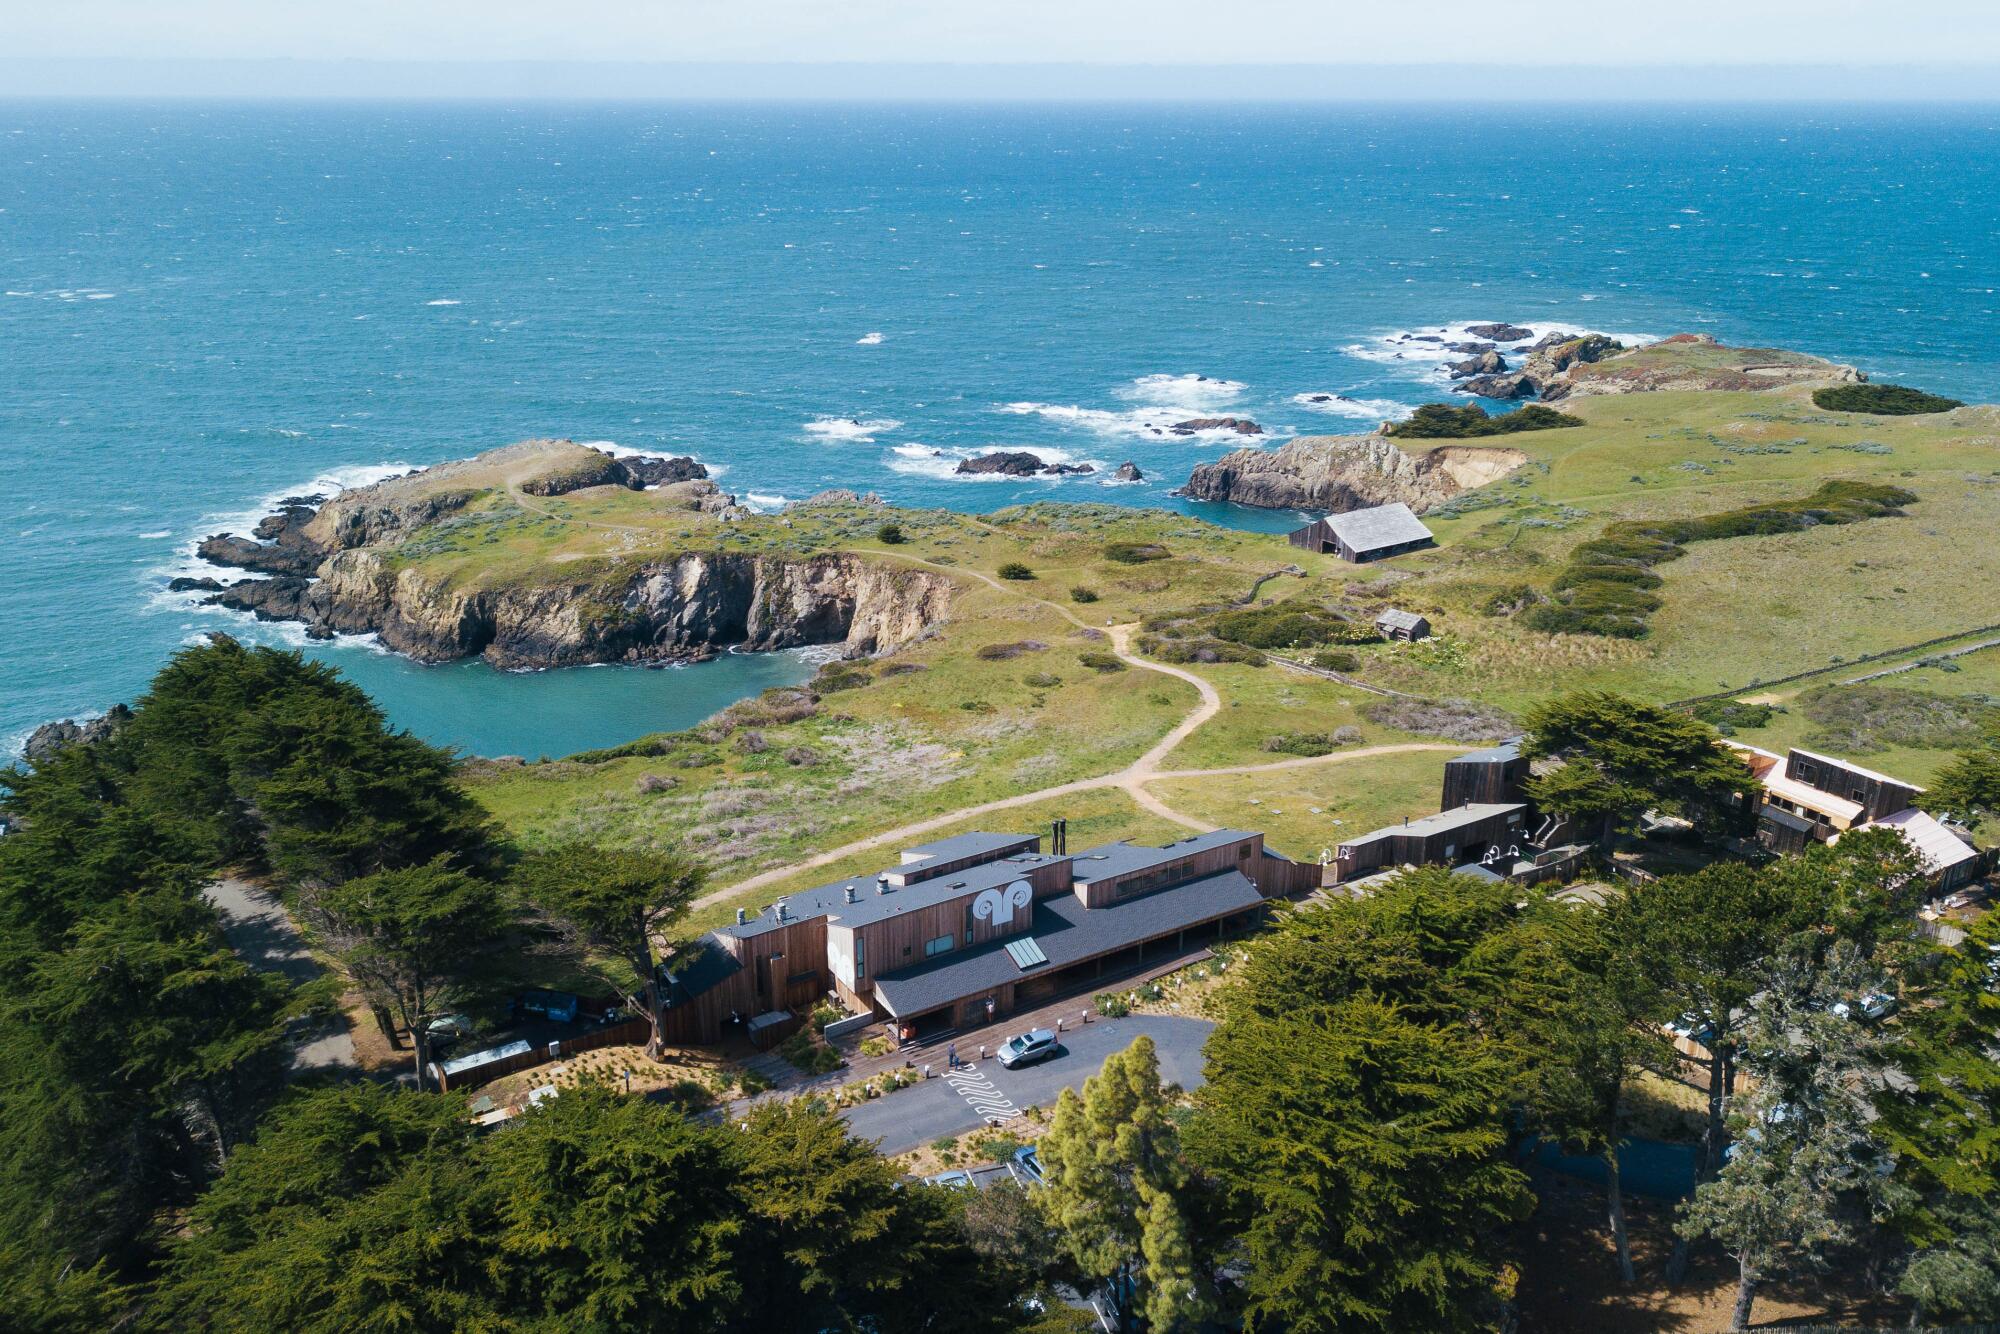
x,y
1068,933
1442,822
1114,859
1382,526
1401,620
700,966
830,900
1500,754
965,845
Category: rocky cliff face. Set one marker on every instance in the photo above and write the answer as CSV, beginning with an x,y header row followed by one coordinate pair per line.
x,y
681,610
330,570
1337,473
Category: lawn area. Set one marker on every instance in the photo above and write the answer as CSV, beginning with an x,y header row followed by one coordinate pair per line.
x,y
1309,808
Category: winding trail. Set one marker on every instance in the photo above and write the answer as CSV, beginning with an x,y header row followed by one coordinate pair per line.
x,y
1132,779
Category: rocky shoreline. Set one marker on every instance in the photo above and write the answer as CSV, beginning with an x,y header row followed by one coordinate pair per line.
x,y
1337,473
326,564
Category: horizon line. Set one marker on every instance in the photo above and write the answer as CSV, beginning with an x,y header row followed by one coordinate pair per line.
x,y
78,79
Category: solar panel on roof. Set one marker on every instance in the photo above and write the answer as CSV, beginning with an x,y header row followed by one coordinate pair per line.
x,y
1026,953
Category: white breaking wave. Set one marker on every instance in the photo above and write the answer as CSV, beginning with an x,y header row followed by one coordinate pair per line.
x,y
241,522
763,502
442,301
1425,360
868,340
1151,423
1182,391
919,460
156,534
1357,409
859,430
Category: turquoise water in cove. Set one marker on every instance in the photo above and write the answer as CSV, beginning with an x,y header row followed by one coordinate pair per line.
x,y
209,306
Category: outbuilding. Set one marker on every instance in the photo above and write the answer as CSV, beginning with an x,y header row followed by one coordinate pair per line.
x,y
1406,626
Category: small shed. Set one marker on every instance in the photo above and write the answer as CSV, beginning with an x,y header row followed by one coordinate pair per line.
x,y
1404,625
1366,534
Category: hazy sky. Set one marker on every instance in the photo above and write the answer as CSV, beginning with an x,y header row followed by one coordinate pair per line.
x,y
1204,32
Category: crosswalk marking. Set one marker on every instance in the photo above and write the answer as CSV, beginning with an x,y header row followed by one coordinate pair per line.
x,y
982,1095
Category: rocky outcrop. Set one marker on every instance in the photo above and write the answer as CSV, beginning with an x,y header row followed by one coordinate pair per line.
x,y
1500,333
1239,425
1128,471
1698,361
648,471
241,553
838,495
1337,473
50,738
1488,362
1018,463
1507,386
683,609
344,569
1549,359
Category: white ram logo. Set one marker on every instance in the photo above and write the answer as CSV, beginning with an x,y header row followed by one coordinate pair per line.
x,y
997,905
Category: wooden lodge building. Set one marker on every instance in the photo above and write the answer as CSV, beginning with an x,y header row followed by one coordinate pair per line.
x,y
969,929
1365,535
1812,798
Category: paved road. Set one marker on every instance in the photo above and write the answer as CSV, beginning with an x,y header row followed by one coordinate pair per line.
x,y
955,1104
263,933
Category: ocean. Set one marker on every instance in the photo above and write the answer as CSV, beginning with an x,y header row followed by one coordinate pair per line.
x,y
208,306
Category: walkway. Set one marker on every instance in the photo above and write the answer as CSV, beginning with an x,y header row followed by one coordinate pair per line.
x,y
263,934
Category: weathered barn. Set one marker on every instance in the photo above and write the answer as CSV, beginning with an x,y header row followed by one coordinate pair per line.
x,y
1404,625
1366,535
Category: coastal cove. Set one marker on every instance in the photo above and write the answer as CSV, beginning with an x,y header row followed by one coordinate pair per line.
x,y
863,299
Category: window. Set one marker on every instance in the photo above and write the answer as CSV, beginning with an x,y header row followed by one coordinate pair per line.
x,y
1243,853
860,956
933,948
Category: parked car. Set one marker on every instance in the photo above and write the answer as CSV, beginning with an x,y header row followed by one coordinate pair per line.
x,y
1026,1166
1872,1005
447,1029
958,1179
1037,1044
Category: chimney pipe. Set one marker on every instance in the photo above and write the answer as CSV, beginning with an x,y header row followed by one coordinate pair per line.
x,y
741,917
851,895
882,883
780,909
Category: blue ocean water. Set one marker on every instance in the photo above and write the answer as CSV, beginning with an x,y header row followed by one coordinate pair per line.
x,y
207,306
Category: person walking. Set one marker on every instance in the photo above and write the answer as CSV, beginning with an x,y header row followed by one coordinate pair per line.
x,y
951,1056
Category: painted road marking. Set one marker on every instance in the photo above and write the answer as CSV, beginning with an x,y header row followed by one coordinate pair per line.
x,y
982,1095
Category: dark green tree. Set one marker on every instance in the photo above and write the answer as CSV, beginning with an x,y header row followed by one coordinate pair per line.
x,y
616,901
416,940
1621,758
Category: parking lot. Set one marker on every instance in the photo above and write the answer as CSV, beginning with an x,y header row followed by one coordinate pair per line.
x,y
982,1093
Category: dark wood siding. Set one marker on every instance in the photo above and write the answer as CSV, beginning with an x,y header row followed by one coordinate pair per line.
x,y
1878,796
1246,855
1482,781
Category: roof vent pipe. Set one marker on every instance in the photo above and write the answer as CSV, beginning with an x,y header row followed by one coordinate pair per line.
x,y
882,883
779,909
741,917
851,894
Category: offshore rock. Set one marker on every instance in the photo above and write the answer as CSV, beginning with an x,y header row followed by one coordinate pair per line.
x,y
1240,425
50,738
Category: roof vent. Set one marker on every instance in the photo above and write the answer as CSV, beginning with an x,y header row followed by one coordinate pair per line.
x,y
956,884
778,909
882,884
741,917
852,894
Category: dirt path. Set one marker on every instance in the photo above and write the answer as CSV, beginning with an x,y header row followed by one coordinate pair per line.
x,y
1131,779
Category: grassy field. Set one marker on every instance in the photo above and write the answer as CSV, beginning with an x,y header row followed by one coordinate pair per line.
x,y
1000,700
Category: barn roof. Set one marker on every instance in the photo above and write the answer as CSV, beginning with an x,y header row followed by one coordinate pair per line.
x,y
1397,619
1382,526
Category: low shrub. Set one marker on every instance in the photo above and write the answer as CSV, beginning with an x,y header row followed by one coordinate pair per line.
x,y
1336,660
1727,715
1041,680
1312,743
1014,570
1289,625
1444,421
1083,593
1452,719
889,669
1863,719
1510,600
804,1054
1135,553
1882,400
801,757
1002,652
890,535
1101,662
1113,1005
1184,651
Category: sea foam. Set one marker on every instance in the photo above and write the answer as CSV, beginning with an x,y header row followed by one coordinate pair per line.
x,y
858,430
940,462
